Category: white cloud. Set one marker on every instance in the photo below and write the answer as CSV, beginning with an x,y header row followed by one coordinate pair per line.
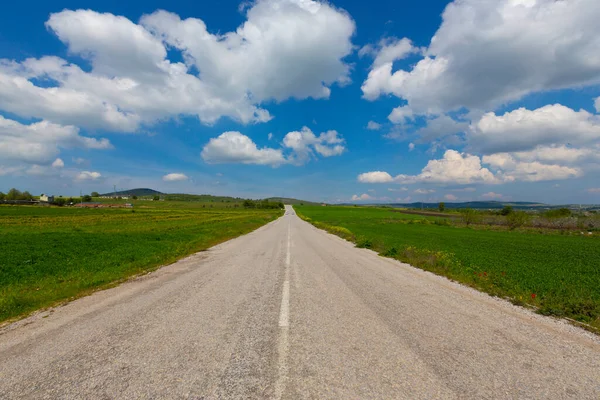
x,y
399,115
175,177
467,189
388,50
402,189
450,197
234,147
284,49
440,127
88,176
594,190
270,136
373,126
463,169
509,169
304,143
411,146
375,177
454,167
58,163
424,191
79,160
523,130
41,142
488,53
597,104
492,196
362,197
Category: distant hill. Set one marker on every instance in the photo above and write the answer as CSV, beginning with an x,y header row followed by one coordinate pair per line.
x,y
287,200
523,205
202,198
134,192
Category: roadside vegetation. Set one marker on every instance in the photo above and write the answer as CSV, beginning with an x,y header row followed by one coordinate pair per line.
x,y
51,254
535,260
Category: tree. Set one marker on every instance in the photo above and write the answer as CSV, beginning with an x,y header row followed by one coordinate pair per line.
x,y
517,219
70,200
26,196
441,206
86,198
59,201
2,196
249,204
95,194
469,216
156,198
134,197
13,194
507,210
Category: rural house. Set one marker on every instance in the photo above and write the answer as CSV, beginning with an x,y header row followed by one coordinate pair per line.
x,y
46,199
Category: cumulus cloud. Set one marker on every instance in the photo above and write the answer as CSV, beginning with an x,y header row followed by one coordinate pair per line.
x,y
510,169
492,196
300,147
284,49
440,127
58,163
362,197
388,50
375,177
41,142
175,177
234,147
305,143
488,53
464,169
424,191
597,104
373,126
88,176
399,115
450,197
523,130
411,146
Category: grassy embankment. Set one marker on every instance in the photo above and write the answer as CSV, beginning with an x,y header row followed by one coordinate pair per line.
x,y
557,274
50,254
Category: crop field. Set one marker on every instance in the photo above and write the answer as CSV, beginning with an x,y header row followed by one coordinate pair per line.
x,y
49,254
556,273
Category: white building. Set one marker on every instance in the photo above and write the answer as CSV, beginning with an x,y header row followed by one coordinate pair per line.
x,y
46,198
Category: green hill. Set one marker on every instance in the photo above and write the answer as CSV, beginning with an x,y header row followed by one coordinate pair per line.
x,y
141,192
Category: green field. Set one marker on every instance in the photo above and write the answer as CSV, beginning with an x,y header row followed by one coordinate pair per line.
x,y
49,254
558,274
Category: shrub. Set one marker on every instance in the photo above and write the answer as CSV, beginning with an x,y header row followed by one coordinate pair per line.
x,y
558,213
469,216
517,219
86,198
507,210
441,206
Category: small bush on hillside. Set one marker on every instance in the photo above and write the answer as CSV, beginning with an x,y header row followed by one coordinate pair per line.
x,y
517,219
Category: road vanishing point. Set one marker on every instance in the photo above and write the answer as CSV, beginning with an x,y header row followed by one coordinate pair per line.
x,y
292,312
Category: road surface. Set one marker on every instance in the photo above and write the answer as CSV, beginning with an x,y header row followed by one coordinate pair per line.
x,y
292,312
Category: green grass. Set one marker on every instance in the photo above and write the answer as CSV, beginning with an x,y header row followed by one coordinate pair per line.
x,y
558,274
50,254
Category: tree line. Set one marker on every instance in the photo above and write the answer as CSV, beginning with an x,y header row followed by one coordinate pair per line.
x,y
262,204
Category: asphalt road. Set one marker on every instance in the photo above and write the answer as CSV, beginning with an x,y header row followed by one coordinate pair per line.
x,y
292,312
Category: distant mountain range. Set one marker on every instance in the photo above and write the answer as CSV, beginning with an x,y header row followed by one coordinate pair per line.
x,y
145,192
519,205
134,192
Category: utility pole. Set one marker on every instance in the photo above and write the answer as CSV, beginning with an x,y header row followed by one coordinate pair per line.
x,y
115,191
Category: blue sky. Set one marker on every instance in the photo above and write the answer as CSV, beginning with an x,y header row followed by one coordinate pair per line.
x,y
341,101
